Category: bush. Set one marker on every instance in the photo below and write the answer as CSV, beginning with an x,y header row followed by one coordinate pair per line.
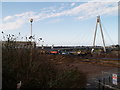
x,y
37,72
16,67
69,79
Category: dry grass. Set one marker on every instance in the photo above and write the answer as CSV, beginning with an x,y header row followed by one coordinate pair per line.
x,y
38,72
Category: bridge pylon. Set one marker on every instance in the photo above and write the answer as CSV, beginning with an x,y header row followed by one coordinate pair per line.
x,y
98,22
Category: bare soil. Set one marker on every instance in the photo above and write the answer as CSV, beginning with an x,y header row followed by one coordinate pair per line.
x,y
92,68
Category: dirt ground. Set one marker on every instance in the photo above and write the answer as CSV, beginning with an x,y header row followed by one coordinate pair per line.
x,y
92,68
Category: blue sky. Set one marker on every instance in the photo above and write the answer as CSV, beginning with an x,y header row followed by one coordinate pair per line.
x,y
61,23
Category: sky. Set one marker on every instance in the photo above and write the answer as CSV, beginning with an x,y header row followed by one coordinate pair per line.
x,y
61,23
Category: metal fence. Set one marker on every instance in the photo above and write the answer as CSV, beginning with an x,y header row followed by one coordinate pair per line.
x,y
106,81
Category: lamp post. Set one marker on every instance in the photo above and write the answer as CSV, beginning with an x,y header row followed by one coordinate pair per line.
x,y
31,20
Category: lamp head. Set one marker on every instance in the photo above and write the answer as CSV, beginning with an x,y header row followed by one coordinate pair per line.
x,y
31,20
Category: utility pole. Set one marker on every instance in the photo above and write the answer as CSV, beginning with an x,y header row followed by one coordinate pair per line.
x,y
98,22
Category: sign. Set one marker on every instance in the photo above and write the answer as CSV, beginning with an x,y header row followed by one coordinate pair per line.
x,y
114,79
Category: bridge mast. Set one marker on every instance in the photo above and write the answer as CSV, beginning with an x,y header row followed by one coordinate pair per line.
x,y
99,22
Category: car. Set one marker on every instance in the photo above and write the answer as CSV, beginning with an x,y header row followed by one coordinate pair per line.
x,y
64,53
54,52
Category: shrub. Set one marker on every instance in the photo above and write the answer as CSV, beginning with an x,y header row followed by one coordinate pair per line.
x,y
69,79
37,73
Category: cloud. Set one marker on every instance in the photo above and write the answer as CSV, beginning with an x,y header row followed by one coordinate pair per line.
x,y
16,21
12,25
73,4
7,18
93,9
80,12
103,0
25,14
87,10
55,21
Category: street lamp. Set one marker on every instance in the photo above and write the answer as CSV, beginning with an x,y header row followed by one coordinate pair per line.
x,y
31,20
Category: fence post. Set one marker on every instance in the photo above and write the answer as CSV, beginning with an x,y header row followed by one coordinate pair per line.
x,y
103,83
99,84
109,80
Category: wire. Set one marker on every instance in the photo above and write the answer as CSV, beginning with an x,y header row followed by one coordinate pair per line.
x,y
107,34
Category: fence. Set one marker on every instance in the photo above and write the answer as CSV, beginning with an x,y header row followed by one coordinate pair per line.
x,y
106,81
